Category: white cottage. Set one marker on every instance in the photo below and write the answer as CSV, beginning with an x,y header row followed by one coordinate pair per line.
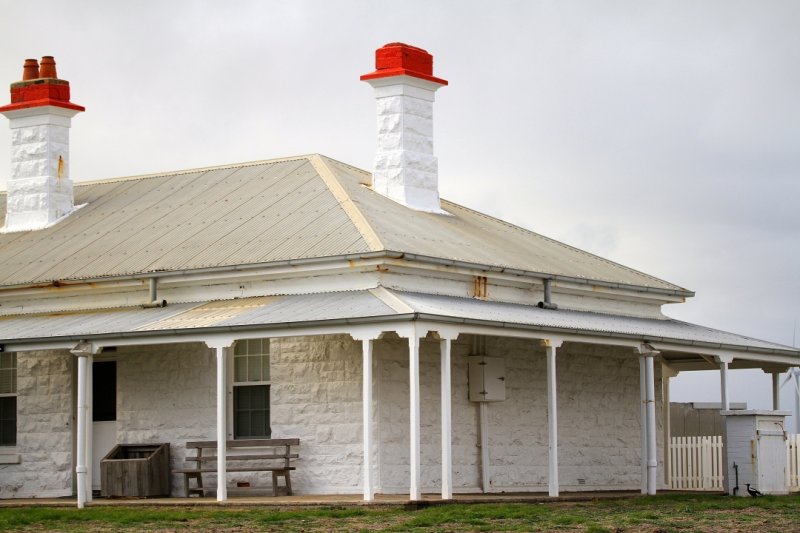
x,y
411,344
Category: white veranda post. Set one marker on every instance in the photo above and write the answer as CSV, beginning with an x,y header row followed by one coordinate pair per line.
x,y
414,411
83,350
723,381
643,421
80,467
551,346
221,351
89,425
652,460
366,345
648,413
446,394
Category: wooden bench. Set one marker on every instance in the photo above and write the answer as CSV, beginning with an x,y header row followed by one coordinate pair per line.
x,y
275,461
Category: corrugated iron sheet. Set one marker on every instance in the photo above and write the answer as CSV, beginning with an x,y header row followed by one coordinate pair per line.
x,y
297,309
269,211
243,214
477,238
646,328
195,316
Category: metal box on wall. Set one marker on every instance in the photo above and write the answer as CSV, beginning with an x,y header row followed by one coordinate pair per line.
x,y
487,379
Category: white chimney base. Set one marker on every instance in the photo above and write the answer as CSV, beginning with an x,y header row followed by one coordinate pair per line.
x,y
39,189
406,170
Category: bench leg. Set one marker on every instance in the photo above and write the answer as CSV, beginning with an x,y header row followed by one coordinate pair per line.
x,y
198,477
287,482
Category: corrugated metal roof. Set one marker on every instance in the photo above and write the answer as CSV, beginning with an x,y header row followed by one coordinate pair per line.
x,y
279,311
272,211
585,322
240,312
244,214
473,237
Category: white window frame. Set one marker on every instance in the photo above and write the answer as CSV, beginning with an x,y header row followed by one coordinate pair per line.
x,y
8,454
232,383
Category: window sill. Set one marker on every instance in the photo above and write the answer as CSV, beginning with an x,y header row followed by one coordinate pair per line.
x,y
9,457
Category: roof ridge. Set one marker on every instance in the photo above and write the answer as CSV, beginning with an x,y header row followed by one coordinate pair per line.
x,y
181,172
360,170
564,245
350,208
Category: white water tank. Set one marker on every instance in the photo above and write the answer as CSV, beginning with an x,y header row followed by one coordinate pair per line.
x,y
755,441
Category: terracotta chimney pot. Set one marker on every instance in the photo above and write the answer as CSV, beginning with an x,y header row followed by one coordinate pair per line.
x,y
30,71
48,68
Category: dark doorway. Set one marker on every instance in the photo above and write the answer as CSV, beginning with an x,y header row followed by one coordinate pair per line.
x,y
104,391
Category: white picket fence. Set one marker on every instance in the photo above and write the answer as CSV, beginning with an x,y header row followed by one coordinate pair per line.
x,y
696,463
793,462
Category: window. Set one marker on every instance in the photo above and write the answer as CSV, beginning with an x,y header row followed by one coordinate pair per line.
x,y
8,399
251,389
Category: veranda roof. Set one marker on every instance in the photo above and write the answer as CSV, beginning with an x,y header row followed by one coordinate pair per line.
x,y
360,307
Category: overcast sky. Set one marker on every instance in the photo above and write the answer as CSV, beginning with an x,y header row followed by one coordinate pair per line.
x,y
662,135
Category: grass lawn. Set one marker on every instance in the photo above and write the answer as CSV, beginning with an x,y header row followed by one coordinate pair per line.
x,y
652,514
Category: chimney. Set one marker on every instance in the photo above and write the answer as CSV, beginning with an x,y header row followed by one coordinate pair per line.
x,y
40,113
405,168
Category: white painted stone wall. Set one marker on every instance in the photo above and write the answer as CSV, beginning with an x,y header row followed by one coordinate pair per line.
x,y
167,394
405,168
45,406
39,187
316,397
598,409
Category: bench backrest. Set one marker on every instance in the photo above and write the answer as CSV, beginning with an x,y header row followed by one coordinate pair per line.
x,y
244,443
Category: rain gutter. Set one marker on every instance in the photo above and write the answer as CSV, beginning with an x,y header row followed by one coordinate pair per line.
x,y
383,254
401,318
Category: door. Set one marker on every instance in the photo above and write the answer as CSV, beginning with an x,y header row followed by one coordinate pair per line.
x,y
104,414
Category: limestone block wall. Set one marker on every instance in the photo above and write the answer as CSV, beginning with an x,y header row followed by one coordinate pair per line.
x,y
316,397
393,409
166,394
598,410
44,428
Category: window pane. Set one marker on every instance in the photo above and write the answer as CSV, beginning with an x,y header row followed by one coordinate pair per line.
x,y
242,424
251,411
6,381
8,408
258,400
8,421
257,425
254,368
240,347
5,360
253,346
244,398
239,368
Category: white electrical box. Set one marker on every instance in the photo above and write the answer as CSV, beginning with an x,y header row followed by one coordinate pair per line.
x,y
487,379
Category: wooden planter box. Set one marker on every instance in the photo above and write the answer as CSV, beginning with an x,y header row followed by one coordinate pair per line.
x,y
136,470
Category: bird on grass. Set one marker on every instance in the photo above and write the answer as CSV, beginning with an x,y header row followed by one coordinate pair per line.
x,y
753,491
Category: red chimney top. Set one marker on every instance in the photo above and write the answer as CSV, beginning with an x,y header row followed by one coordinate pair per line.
x,y
40,87
398,59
